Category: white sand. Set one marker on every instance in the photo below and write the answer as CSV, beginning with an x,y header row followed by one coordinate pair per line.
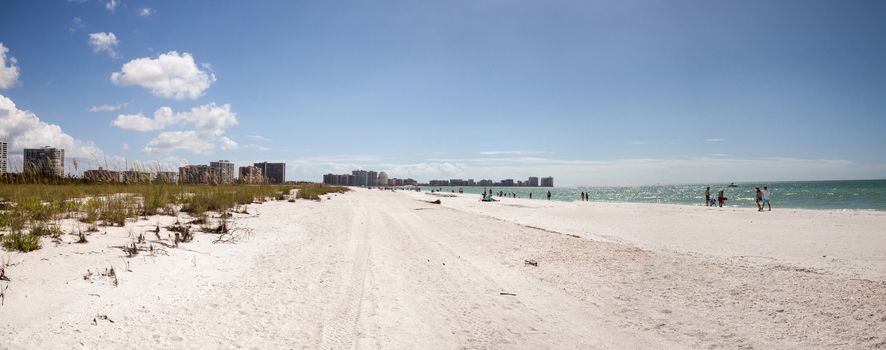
x,y
374,269
848,241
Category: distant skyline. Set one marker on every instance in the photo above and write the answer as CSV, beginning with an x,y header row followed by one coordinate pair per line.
x,y
589,92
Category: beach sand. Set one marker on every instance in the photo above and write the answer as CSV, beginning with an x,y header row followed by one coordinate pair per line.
x,y
377,269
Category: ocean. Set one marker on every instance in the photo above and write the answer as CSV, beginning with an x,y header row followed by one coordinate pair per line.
x,y
851,194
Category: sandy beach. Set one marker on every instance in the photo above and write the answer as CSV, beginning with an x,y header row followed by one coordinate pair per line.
x,y
376,269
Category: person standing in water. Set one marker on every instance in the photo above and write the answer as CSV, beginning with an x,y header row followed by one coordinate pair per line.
x,y
707,196
549,195
721,197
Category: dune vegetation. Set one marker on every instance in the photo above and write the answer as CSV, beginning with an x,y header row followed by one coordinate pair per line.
x,y
33,209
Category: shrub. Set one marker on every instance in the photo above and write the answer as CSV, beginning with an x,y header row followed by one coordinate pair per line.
x,y
21,242
91,208
46,230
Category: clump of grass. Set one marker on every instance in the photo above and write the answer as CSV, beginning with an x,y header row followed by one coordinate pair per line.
x,y
116,209
21,241
42,229
314,191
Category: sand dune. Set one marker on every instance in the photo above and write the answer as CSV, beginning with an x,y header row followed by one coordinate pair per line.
x,y
373,269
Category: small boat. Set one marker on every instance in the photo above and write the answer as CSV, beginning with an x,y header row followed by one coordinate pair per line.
x,y
732,184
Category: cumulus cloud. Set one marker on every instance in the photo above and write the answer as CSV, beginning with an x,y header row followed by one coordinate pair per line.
x,y
104,42
170,75
146,12
8,69
23,129
108,108
112,5
208,123
174,140
138,122
228,144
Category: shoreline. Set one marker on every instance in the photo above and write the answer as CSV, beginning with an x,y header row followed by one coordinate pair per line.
x,y
841,241
654,204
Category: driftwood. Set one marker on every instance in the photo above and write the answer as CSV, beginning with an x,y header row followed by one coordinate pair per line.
x,y
3,294
100,317
506,293
530,262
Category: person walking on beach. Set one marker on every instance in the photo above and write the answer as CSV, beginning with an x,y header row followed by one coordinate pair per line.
x,y
549,195
707,196
766,195
758,198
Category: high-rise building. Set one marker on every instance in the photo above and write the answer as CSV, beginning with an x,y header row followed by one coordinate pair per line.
x,y
169,177
225,170
507,182
372,178
102,175
274,173
251,175
4,157
382,179
135,176
47,161
533,181
547,182
198,174
361,177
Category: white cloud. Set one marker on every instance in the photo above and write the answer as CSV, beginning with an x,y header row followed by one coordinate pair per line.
x,y
228,144
259,137
638,143
179,140
208,122
104,42
111,5
714,140
138,122
125,146
23,129
258,148
146,12
76,24
170,75
512,153
108,108
8,69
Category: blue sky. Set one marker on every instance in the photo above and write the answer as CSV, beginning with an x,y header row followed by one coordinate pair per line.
x,y
590,92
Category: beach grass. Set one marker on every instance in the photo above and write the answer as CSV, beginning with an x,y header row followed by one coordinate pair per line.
x,y
31,210
314,191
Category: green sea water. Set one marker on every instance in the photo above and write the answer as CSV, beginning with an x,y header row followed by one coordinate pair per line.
x,y
852,194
